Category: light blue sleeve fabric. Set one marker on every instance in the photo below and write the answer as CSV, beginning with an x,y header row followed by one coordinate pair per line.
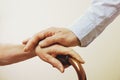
x,y
100,14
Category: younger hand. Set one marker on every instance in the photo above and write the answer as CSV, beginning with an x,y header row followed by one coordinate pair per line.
x,y
51,36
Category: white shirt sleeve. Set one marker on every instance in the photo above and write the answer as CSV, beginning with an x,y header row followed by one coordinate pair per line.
x,y
93,22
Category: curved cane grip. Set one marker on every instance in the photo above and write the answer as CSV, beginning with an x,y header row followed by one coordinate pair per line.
x,y
67,60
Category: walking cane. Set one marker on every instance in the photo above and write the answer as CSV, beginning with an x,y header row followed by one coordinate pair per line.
x,y
67,60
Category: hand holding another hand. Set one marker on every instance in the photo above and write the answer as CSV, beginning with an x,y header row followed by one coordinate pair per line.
x,y
52,42
52,36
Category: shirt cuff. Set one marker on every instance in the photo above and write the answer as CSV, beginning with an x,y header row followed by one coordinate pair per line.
x,y
81,28
94,21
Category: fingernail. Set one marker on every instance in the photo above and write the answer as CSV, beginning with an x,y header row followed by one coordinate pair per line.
x,y
61,69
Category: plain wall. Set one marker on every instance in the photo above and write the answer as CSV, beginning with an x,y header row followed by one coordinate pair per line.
x,y
20,19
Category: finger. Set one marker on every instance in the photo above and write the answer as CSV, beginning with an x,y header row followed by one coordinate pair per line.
x,y
77,56
25,41
31,44
37,37
51,60
61,50
50,40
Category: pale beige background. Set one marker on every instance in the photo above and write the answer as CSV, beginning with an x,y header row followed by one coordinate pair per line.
x,y
20,19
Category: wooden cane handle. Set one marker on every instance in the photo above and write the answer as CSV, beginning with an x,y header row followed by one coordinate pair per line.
x,y
67,60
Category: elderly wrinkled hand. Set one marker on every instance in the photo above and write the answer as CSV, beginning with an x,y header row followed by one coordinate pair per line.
x,y
49,54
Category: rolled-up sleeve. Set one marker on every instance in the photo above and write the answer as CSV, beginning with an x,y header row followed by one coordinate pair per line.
x,y
94,21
